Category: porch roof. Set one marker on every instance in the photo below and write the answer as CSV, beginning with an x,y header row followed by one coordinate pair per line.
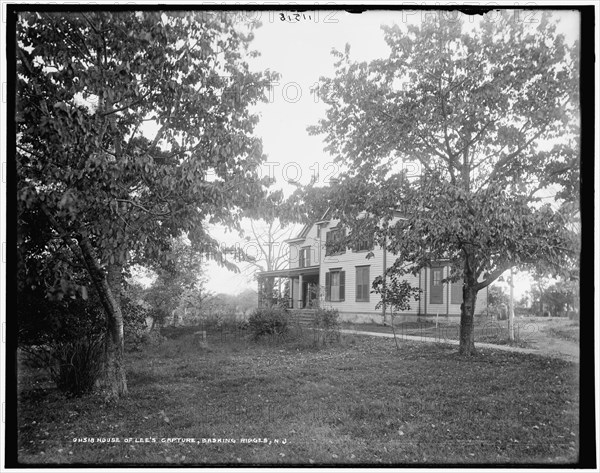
x,y
286,273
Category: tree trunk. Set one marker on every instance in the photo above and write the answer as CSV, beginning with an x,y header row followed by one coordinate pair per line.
x,y
109,291
467,314
115,342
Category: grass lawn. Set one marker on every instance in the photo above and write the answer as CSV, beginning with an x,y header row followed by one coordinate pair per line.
x,y
360,401
486,330
568,331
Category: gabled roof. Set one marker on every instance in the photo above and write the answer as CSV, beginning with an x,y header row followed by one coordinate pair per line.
x,y
304,231
301,236
306,228
324,218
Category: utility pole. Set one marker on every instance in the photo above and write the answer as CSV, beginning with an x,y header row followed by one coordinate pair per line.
x,y
511,309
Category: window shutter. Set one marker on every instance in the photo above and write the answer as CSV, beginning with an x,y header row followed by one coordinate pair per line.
x,y
362,284
327,244
327,286
342,285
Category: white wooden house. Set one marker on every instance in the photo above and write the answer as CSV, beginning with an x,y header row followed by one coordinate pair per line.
x,y
318,277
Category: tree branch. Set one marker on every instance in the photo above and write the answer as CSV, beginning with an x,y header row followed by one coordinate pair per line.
x,y
125,107
68,39
141,207
259,243
492,277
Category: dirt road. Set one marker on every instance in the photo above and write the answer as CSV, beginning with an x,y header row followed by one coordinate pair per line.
x,y
542,335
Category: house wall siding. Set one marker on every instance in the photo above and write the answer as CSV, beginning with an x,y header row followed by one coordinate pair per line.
x,y
445,307
349,308
311,240
348,262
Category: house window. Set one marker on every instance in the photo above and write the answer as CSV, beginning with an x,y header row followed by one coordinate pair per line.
x,y
362,283
335,285
332,242
436,291
304,257
365,244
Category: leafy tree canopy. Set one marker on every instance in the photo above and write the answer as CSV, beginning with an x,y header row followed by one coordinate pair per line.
x,y
471,135
89,85
134,128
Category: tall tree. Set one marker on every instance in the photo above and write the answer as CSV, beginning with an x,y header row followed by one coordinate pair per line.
x,y
473,134
271,252
269,240
134,128
177,278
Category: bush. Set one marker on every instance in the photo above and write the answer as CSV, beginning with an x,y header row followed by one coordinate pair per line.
x,y
80,364
327,319
65,337
327,326
134,324
268,321
242,325
152,338
74,366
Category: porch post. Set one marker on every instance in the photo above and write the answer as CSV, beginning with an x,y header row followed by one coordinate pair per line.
x,y
260,295
291,294
300,298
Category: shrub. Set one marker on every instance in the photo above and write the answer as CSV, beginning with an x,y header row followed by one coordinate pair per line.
x,y
134,324
73,365
65,337
328,319
326,326
268,321
242,325
152,338
79,365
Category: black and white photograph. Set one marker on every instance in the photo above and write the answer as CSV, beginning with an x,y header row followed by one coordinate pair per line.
x,y
299,235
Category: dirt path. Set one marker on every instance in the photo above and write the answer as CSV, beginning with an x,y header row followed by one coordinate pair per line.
x,y
534,332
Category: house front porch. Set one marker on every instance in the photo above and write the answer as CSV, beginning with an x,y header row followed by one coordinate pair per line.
x,y
298,286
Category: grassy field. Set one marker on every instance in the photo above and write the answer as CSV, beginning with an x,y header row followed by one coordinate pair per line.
x,y
567,331
358,402
486,330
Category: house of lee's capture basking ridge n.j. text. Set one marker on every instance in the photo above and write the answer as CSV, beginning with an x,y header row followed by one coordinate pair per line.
x,y
317,276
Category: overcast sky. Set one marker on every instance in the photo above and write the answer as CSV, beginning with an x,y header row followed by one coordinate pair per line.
x,y
301,53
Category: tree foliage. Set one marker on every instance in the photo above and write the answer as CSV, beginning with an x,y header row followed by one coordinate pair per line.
x,y
87,85
132,129
554,298
394,292
472,135
497,297
177,279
